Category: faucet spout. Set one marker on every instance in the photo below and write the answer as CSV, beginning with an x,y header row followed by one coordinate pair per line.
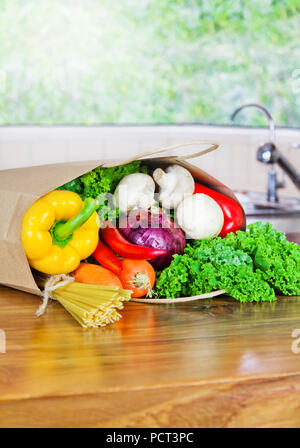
x,y
267,114
268,153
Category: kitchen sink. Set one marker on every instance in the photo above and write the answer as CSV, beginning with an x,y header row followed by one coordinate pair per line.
x,y
283,215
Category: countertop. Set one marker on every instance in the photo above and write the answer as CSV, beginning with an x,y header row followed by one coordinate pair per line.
x,y
209,363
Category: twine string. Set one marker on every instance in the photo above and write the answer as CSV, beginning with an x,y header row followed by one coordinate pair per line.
x,y
53,283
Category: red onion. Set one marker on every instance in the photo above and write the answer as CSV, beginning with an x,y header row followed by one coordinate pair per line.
x,y
154,230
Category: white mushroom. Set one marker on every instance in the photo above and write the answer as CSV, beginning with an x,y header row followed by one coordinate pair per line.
x,y
200,216
135,191
174,183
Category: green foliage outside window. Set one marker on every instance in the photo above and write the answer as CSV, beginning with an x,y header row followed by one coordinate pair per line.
x,y
148,61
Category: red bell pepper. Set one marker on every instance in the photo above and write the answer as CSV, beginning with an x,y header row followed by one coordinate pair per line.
x,y
124,248
233,213
107,258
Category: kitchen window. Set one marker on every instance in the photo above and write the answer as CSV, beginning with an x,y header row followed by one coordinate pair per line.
x,y
148,61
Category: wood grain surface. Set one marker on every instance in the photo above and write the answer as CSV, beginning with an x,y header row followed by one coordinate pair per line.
x,y
210,363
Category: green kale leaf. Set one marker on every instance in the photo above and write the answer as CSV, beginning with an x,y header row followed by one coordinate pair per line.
x,y
250,266
277,258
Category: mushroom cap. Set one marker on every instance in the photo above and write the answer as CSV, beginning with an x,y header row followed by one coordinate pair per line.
x,y
200,216
135,191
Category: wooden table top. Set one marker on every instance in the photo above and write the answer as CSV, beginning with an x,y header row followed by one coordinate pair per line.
x,y
209,363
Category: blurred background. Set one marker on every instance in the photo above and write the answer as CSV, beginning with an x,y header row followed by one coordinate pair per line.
x,y
99,79
90,62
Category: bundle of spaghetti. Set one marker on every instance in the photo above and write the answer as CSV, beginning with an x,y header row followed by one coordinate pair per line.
x,y
92,305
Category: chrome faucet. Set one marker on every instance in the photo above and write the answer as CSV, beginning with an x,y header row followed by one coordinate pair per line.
x,y
268,153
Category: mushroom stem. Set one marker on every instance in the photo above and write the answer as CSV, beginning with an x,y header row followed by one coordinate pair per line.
x,y
158,176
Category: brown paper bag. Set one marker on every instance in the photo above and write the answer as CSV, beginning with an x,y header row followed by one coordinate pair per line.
x,y
20,187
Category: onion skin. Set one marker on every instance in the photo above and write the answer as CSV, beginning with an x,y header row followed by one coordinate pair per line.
x,y
154,230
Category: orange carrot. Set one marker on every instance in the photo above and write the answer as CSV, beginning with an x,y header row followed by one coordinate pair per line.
x,y
137,275
93,274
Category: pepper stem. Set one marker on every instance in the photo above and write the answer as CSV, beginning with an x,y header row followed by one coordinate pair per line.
x,y
64,230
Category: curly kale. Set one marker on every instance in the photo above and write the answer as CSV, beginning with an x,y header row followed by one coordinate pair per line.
x,y
273,255
100,181
250,266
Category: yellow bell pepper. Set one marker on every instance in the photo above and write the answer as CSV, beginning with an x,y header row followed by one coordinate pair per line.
x,y
58,231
